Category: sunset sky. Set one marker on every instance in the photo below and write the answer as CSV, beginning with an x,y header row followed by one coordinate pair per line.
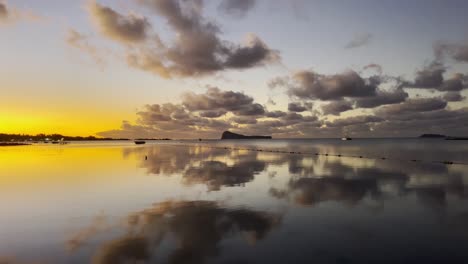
x,y
194,68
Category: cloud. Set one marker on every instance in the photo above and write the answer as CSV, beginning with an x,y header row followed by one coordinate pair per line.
x,y
442,121
213,113
458,52
244,120
386,109
197,47
349,89
236,8
432,77
296,107
3,12
382,97
215,99
79,41
11,15
413,105
458,82
207,115
453,97
311,85
123,28
374,66
359,40
199,114
130,248
275,114
354,120
278,82
336,107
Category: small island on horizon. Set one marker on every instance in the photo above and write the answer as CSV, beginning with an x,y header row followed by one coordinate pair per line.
x,y
231,135
442,136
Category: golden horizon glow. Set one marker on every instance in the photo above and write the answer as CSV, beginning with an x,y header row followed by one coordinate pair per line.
x,y
69,123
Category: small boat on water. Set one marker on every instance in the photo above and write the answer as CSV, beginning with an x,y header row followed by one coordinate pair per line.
x,y
139,142
345,135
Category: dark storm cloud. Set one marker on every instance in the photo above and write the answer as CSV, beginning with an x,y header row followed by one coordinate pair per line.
x,y
310,85
458,52
236,8
127,29
296,107
197,48
336,107
359,40
382,98
453,97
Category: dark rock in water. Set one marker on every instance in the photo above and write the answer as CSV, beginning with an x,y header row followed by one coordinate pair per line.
x,y
432,136
230,135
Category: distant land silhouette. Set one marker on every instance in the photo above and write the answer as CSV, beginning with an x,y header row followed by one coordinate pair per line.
x,y
442,136
42,137
5,144
153,139
231,135
432,136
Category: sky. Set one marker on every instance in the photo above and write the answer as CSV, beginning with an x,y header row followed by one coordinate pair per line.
x,y
194,68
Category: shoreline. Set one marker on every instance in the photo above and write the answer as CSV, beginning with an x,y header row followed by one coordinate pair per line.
x,y
5,144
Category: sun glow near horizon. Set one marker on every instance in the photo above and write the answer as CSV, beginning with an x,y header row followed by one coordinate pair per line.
x,y
77,123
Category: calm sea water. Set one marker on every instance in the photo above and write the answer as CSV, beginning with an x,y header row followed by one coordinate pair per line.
x,y
235,202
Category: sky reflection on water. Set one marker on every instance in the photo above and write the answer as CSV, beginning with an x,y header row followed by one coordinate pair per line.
x,y
193,204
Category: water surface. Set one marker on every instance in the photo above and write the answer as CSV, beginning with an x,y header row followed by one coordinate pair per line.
x,y
235,202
